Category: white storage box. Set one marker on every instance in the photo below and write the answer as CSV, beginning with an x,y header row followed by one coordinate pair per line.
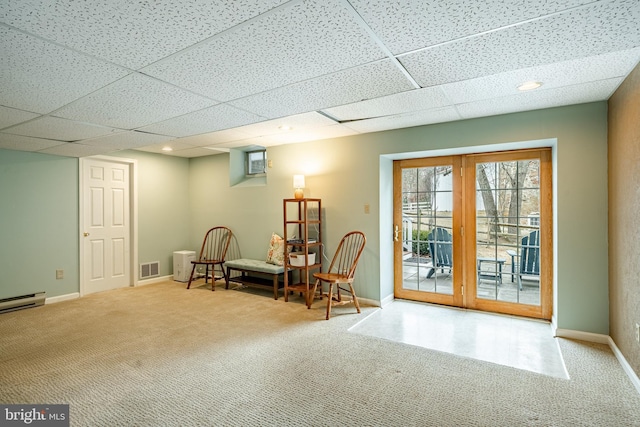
x,y
182,265
296,259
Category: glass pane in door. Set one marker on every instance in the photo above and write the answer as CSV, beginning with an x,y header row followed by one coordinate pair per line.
x,y
507,231
427,246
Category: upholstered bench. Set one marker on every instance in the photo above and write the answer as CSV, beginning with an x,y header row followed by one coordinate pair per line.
x,y
253,274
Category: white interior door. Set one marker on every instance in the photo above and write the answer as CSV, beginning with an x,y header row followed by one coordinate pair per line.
x,y
106,225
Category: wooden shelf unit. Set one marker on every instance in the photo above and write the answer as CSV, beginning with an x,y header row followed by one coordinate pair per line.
x,y
302,222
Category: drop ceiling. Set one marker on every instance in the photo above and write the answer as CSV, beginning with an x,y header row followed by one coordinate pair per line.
x,y
201,77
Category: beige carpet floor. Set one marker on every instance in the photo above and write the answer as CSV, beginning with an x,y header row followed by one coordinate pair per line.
x,y
161,355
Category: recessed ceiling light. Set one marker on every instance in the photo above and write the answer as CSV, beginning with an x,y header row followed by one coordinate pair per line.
x,y
285,127
167,149
529,85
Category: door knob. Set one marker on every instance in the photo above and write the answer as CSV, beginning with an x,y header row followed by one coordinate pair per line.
x,y
85,234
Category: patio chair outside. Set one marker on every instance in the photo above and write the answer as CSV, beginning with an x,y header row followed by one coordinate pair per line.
x,y
529,257
441,248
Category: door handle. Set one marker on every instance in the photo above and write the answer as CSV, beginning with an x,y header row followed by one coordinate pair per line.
x,y
396,232
85,234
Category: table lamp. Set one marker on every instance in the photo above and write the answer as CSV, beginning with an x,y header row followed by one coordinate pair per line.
x,y
298,185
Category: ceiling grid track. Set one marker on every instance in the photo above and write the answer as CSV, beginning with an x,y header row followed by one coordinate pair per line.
x,y
95,77
380,43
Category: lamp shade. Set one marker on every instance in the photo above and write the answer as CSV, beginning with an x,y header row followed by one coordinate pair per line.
x,y
298,181
298,184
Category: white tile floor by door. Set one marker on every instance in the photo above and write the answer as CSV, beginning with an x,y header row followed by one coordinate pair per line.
x,y
507,340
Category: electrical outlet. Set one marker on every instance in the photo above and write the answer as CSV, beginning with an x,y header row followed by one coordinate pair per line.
x,y
59,274
367,209
638,332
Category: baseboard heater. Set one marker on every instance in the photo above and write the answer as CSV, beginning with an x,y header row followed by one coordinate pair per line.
x,y
22,301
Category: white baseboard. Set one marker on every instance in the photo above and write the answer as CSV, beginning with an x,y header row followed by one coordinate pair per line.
x,y
366,301
583,336
602,339
60,298
154,280
387,300
74,295
625,365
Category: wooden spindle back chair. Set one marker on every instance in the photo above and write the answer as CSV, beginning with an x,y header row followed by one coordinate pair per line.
x,y
342,271
212,254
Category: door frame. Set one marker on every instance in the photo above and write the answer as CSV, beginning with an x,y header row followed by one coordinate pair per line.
x,y
457,298
545,309
466,242
133,215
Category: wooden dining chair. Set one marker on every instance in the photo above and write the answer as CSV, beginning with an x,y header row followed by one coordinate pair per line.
x,y
341,271
212,254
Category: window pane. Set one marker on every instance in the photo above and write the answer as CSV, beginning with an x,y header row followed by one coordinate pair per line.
x,y
427,203
256,162
507,222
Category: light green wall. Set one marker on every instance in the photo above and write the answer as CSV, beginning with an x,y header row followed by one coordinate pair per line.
x,y
163,207
179,199
38,223
252,212
348,173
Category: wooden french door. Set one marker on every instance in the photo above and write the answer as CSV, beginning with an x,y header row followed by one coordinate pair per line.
x,y
475,231
427,197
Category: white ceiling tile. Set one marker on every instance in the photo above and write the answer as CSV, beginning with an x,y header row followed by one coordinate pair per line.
x,y
601,28
132,102
296,123
70,149
59,129
241,143
249,66
40,77
567,73
218,117
128,32
217,150
418,118
538,99
25,143
292,44
238,137
325,132
401,24
11,116
196,152
215,137
256,141
123,140
367,81
415,100
174,144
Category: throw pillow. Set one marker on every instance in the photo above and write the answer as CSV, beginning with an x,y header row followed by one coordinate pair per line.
x,y
276,250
